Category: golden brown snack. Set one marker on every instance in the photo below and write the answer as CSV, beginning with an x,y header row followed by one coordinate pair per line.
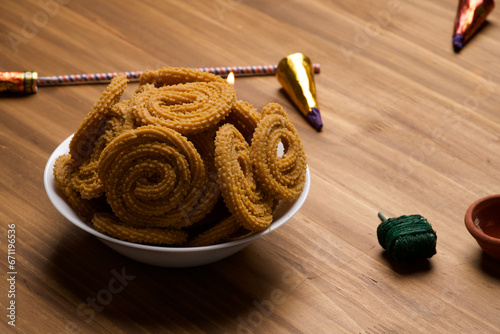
x,y
236,180
187,108
220,232
210,193
244,117
152,176
108,224
124,119
176,75
283,176
152,169
63,169
218,213
83,142
86,181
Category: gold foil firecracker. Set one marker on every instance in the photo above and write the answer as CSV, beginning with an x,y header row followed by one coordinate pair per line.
x,y
471,15
18,82
296,76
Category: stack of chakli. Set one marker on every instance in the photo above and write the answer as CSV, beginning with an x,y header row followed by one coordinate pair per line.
x,y
182,162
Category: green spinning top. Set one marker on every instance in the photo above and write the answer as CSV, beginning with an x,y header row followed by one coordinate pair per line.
x,y
407,238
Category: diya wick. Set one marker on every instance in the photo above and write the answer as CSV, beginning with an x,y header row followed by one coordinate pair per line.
x,y
296,76
230,78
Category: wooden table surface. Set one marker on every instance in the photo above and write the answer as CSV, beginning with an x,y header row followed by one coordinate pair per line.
x,y
410,127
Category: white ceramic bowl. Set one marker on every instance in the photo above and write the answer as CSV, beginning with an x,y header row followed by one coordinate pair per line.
x,y
165,256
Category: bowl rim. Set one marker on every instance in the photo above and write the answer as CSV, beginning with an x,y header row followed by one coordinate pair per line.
x,y
471,226
58,202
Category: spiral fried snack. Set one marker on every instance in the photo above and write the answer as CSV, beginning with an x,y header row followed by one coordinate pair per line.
x,y
236,180
152,176
283,176
91,137
181,162
210,193
108,224
187,108
176,75
244,117
216,234
83,142
63,170
85,179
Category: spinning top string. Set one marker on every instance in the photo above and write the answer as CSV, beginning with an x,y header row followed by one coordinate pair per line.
x,y
407,238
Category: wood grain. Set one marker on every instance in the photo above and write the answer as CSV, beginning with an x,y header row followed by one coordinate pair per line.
x,y
409,127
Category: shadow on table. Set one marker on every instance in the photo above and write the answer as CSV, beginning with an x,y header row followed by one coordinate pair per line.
x,y
106,286
486,25
489,266
405,269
